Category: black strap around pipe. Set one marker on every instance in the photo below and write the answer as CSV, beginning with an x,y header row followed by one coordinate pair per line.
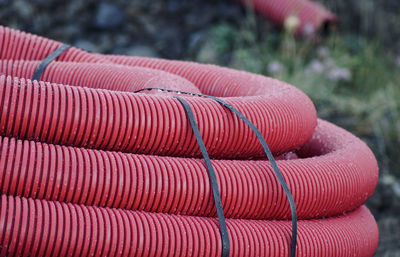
x,y
213,179
266,149
51,57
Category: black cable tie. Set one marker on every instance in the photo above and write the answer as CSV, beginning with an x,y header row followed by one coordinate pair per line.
x,y
213,179
267,151
51,57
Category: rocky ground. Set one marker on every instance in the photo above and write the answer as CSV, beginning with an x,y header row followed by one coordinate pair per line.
x,y
174,29
170,28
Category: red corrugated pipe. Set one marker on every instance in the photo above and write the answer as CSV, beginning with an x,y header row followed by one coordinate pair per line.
x,y
309,16
88,167
51,228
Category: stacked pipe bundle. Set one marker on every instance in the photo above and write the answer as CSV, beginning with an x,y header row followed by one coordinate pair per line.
x,y
89,167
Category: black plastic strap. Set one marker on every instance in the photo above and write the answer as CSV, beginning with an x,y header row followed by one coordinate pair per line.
x,y
213,179
51,57
267,151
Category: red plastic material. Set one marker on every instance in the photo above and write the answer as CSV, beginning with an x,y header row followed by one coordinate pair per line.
x,y
50,228
311,14
337,173
88,167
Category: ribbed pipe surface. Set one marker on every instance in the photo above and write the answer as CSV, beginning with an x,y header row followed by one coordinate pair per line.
x,y
89,167
327,182
51,228
148,124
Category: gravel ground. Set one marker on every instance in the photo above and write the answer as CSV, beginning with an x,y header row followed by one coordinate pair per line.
x,y
173,29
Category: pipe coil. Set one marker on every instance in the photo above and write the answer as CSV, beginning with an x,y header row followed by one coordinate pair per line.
x,y
83,157
52,228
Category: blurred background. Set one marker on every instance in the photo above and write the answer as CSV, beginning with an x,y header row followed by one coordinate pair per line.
x,y
350,69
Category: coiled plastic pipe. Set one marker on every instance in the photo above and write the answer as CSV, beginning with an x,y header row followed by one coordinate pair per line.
x,y
310,13
264,96
51,228
321,186
110,166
